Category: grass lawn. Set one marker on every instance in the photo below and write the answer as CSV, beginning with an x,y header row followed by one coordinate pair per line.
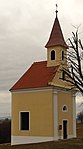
x,y
65,144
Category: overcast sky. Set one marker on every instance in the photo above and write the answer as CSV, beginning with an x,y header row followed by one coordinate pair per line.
x,y
25,26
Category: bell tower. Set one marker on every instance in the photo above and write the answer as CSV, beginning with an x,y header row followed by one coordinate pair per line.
x,y
56,45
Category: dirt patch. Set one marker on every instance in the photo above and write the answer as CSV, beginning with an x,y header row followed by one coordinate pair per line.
x,y
65,144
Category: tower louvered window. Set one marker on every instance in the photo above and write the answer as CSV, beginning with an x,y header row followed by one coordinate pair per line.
x,y
52,55
62,55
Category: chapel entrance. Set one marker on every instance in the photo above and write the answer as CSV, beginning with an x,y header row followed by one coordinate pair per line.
x,y
64,129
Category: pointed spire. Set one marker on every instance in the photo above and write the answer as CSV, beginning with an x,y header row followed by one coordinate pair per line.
x,y
56,37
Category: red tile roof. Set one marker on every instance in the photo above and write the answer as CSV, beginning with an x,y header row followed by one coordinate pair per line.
x,y
56,36
38,75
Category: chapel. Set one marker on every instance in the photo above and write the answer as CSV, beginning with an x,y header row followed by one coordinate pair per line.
x,y
43,104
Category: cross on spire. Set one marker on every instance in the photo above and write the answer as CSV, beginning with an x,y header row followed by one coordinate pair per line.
x,y
56,10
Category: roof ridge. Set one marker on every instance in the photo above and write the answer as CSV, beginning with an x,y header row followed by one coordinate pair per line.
x,y
39,62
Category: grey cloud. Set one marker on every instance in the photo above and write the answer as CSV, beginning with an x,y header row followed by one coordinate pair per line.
x,y
5,109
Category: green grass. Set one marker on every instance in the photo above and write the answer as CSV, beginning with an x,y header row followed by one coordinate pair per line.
x,y
65,144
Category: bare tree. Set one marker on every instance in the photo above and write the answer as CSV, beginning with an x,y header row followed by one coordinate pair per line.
x,y
74,58
80,116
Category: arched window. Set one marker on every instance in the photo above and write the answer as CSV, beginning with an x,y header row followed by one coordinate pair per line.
x,y
52,55
62,55
64,108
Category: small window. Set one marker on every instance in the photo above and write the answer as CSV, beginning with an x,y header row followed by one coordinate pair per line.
x,y
65,108
63,75
52,55
62,55
24,120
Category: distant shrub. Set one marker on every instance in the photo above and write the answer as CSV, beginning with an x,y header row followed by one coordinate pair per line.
x,y
5,131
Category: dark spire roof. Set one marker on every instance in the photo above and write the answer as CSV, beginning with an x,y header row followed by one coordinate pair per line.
x,y
56,37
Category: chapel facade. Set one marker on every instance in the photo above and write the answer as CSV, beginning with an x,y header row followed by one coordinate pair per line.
x,y
43,105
